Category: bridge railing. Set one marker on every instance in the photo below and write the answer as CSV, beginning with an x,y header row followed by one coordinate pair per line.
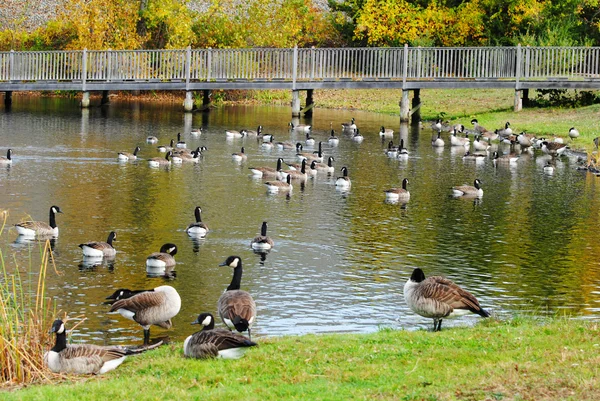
x,y
315,64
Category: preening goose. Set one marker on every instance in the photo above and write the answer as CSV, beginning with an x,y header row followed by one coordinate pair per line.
x,y
262,242
39,228
333,140
386,133
180,144
438,142
236,307
398,194
437,297
8,159
197,229
193,157
467,190
165,148
156,307
160,161
163,259
124,156
214,343
343,182
267,172
85,358
573,133
100,249
280,186
239,157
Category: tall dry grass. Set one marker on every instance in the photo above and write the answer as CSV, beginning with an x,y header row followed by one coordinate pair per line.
x,y
25,319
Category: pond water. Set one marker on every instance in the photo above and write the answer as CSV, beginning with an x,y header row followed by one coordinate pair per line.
x,y
340,259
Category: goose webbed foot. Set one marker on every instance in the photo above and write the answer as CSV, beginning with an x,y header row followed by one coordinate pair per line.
x,y
146,337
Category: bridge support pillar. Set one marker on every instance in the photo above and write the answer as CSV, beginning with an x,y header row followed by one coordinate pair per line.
x,y
404,106
188,103
309,103
295,103
206,100
104,100
518,101
416,107
85,100
8,99
525,97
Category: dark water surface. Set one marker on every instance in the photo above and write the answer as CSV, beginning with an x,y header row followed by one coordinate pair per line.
x,y
340,259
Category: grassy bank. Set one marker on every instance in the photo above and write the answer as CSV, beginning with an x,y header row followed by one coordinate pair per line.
x,y
520,359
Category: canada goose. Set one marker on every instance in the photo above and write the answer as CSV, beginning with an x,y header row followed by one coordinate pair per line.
x,y
295,174
467,190
476,157
396,194
525,141
39,228
180,144
351,126
386,133
151,139
478,128
300,127
160,161
553,148
100,249
438,142
357,137
236,307
437,125
193,157
156,307
557,139
284,145
268,145
124,156
573,133
176,158
7,159
326,168
164,258
458,141
318,155
459,128
164,148
438,297
310,141
511,158
214,343
235,134
280,186
197,229
122,293
343,181
311,170
267,171
333,140
239,157
490,136
480,145
506,131
85,358
196,131
258,131
391,151
262,242
549,168
402,151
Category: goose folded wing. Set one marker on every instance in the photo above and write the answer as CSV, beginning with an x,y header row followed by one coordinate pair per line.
x,y
225,339
450,293
92,353
140,302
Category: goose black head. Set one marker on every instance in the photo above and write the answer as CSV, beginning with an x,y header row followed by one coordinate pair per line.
x,y
58,327
205,319
417,275
169,248
232,261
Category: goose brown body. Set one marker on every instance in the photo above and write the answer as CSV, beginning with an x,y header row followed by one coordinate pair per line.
x,y
99,248
236,307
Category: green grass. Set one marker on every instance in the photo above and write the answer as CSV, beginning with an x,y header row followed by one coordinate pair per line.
x,y
521,359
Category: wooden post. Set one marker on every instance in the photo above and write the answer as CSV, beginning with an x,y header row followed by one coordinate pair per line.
x,y
85,100
416,107
525,101
518,105
188,103
295,103
8,99
206,100
105,99
404,106
309,102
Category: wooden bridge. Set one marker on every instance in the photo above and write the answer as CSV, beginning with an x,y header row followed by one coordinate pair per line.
x,y
406,68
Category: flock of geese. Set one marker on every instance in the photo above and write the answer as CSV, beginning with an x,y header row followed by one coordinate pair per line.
x,y
433,297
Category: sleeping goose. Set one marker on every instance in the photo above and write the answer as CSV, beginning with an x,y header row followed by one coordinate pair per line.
x,y
122,293
467,190
4,160
197,229
124,156
474,157
214,343
437,297
398,194
39,228
100,249
265,172
262,242
160,161
156,307
343,182
236,307
85,358
162,260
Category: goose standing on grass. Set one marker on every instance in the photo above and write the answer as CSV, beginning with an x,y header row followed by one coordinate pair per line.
x,y
267,172
506,131
236,307
214,343
239,157
85,358
163,260
39,228
100,249
398,194
160,161
5,160
262,242
280,186
197,229
343,182
333,140
165,148
438,142
125,156
386,133
467,190
437,297
156,307
573,133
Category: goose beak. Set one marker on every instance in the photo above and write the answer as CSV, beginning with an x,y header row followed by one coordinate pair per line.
x,y
195,322
223,264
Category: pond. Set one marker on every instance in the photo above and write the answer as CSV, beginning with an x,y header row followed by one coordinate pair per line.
x,y
340,259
